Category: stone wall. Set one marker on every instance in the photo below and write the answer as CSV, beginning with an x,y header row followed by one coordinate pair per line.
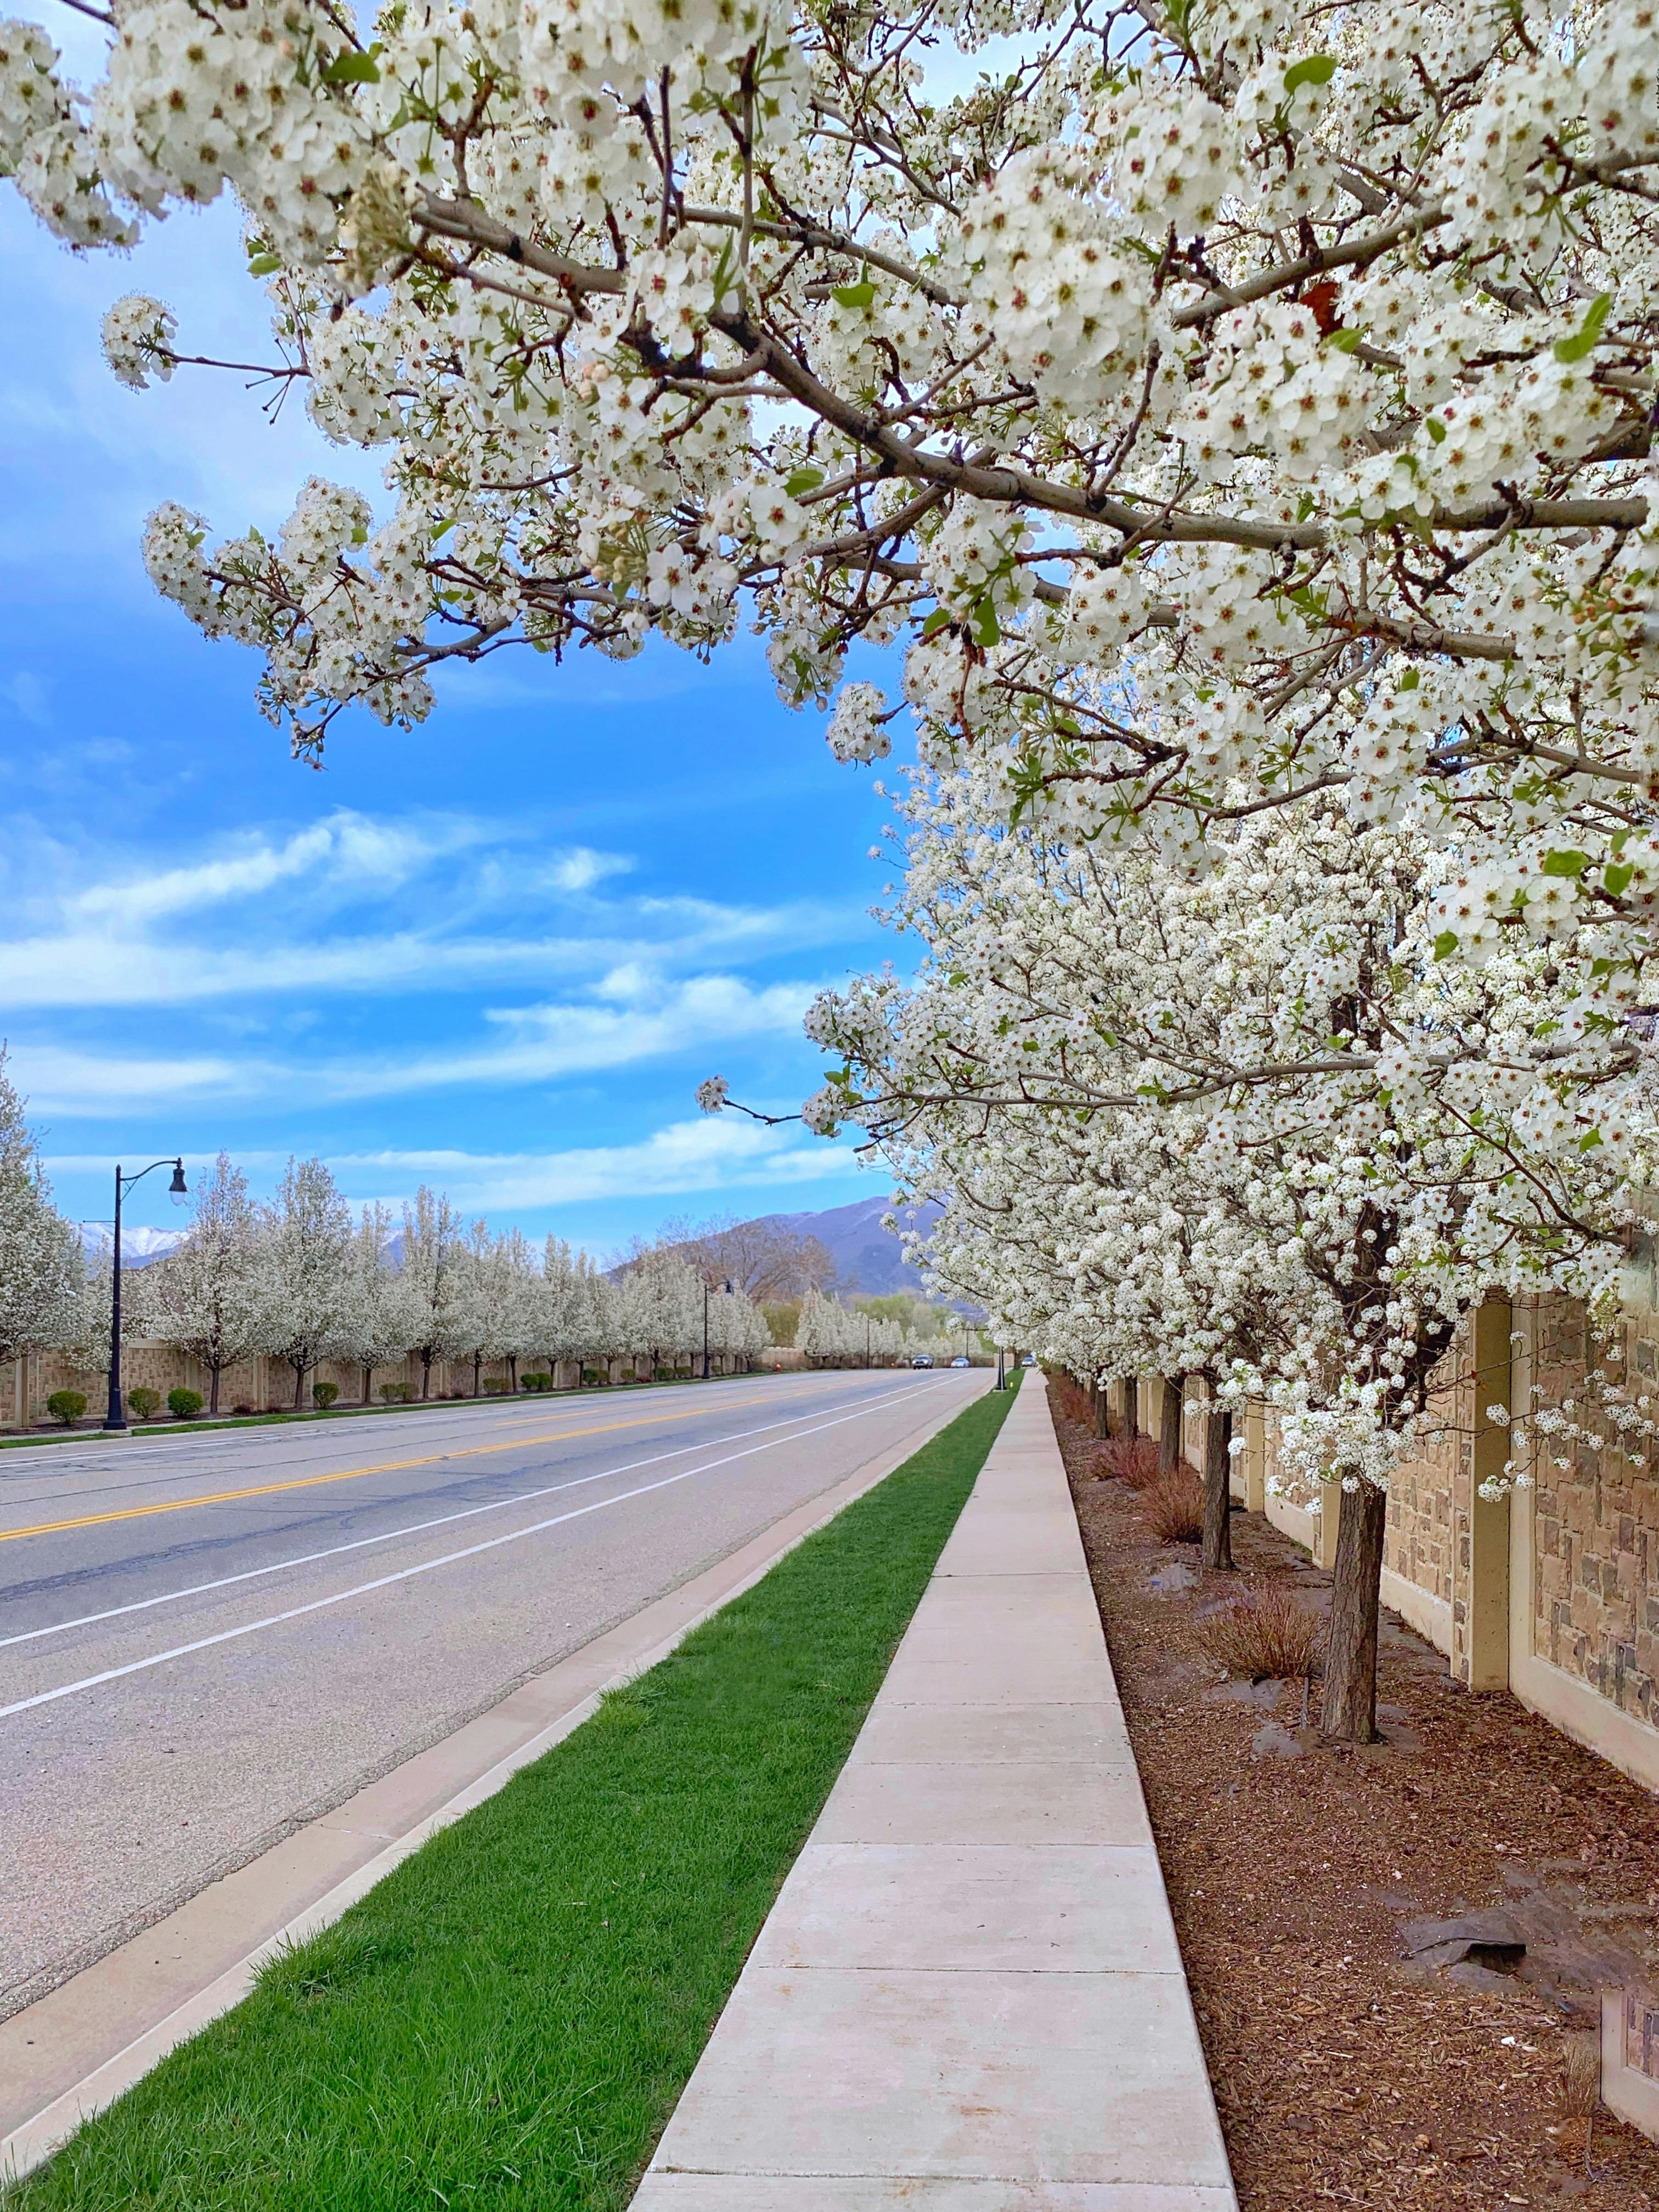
x,y
1595,1522
265,1385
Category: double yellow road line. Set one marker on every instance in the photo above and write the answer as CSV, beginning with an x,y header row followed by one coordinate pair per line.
x,y
357,1473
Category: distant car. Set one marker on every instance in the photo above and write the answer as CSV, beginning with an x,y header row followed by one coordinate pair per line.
x,y
1030,1359
922,1359
960,1362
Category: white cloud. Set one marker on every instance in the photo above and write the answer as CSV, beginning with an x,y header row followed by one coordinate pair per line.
x,y
345,849
581,868
702,1154
540,1044
258,915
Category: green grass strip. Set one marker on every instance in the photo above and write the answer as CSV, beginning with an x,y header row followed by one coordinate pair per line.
x,y
508,2019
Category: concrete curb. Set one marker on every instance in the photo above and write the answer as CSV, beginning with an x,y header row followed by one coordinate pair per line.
x,y
79,2047
969,1997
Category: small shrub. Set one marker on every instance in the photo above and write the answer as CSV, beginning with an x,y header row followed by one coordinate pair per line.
x,y
492,1386
323,1394
536,1383
1174,1506
185,1405
394,1394
147,1404
1074,1400
1133,1460
66,1406
244,1409
590,1374
1262,1635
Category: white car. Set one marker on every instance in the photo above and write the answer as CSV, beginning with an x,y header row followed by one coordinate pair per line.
x,y
962,1363
922,1359
1030,1360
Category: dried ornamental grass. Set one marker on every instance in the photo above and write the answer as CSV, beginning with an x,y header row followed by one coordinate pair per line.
x,y
1174,1506
1264,1635
1133,1460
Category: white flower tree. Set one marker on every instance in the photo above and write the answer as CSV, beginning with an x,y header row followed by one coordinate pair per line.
x,y
1251,1127
41,1268
306,1253
1217,394
434,1269
379,1317
213,1297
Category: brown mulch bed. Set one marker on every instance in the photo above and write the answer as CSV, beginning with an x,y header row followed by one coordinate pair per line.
x,y
1345,2071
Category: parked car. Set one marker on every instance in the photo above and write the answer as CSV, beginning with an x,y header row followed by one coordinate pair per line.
x,y
922,1359
960,1362
1030,1359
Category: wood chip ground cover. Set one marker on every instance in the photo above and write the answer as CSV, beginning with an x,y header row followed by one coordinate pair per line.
x,y
1344,2073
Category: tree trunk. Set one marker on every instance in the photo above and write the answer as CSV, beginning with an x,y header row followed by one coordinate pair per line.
x,y
1102,1411
1169,1432
1132,1407
1217,1489
477,1370
369,1378
513,1371
299,1383
426,1375
1350,1711
213,1386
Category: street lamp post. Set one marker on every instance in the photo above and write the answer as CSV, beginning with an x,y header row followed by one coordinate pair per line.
x,y
866,1339
725,1291
116,1417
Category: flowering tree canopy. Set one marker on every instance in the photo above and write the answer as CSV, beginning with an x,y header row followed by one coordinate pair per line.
x,y
1221,404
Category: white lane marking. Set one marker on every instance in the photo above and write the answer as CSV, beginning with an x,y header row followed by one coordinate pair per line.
x,y
240,1448
427,1567
414,1529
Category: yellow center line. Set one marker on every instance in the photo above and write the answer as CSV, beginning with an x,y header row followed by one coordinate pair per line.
x,y
353,1473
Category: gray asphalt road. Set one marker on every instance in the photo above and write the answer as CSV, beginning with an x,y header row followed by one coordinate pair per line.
x,y
205,1642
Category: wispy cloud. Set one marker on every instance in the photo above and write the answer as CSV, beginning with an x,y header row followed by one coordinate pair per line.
x,y
703,1154
346,850
267,915
647,1019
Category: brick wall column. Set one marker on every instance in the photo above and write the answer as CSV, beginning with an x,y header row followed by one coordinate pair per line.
x,y
1256,1458
1485,1566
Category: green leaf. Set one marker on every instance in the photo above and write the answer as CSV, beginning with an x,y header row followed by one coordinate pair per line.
x,y
804,479
1345,341
1410,680
1317,69
1564,860
1617,878
1589,1141
983,623
1445,944
350,67
1583,338
855,296
936,621
264,264
1436,429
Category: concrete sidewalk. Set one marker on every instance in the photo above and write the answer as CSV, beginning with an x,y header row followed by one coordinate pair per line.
x,y
969,1997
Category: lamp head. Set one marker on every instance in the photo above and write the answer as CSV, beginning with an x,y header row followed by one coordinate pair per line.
x,y
176,1187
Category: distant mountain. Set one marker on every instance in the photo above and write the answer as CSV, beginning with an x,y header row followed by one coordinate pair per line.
x,y
867,1257
138,1246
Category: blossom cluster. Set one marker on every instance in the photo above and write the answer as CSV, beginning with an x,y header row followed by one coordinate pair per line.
x,y
1249,1124
1219,395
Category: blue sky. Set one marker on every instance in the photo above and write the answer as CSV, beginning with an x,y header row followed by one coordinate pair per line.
x,y
496,954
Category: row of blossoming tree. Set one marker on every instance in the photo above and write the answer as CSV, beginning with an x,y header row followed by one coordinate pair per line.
x,y
1241,416
303,1281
